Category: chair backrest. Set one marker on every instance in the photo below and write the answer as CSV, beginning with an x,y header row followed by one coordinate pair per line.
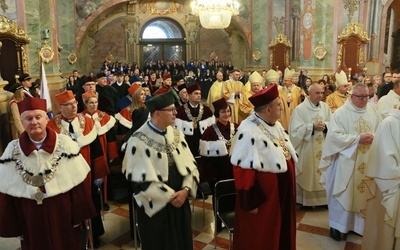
x,y
225,195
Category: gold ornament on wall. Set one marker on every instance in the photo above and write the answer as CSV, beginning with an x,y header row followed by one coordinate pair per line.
x,y
257,55
308,21
9,27
353,29
25,60
163,8
320,51
46,53
351,6
72,58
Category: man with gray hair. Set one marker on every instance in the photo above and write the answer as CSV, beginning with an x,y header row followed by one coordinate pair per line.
x,y
263,161
44,198
308,128
344,157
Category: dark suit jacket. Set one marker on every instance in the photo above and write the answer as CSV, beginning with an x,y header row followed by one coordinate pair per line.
x,y
385,89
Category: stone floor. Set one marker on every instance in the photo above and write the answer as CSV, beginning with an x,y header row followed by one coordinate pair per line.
x,y
312,230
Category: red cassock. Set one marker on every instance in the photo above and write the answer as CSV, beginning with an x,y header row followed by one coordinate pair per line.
x,y
273,227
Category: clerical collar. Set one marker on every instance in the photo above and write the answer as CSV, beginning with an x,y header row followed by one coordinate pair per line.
x,y
155,129
312,104
191,105
269,124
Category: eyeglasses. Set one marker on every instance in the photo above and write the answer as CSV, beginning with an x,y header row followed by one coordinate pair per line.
x,y
69,104
361,97
172,110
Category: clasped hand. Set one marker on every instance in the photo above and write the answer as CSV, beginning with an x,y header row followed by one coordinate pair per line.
x,y
366,138
320,126
178,198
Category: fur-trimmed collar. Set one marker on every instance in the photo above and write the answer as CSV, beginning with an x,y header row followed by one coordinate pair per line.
x,y
48,145
72,168
252,149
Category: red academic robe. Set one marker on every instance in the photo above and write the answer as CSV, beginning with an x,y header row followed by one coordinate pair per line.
x,y
107,139
98,162
92,151
124,118
274,226
161,90
214,166
50,225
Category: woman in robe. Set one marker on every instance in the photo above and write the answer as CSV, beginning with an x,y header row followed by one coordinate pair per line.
x,y
104,124
214,148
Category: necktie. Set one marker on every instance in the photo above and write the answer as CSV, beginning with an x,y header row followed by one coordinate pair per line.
x,y
71,131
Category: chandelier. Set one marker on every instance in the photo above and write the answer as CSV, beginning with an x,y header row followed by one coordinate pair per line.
x,y
215,14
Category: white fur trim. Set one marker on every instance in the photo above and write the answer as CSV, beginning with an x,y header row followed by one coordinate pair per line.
x,y
184,126
71,172
106,127
145,164
158,194
84,140
251,149
123,121
210,148
204,124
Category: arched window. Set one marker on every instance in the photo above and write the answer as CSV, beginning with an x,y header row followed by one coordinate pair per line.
x,y
162,39
162,29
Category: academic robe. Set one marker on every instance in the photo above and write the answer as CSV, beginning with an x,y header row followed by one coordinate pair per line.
x,y
185,125
158,170
382,220
104,124
343,164
215,93
336,100
87,139
161,90
124,118
228,90
387,102
108,98
54,224
214,152
122,90
308,144
264,179
215,164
